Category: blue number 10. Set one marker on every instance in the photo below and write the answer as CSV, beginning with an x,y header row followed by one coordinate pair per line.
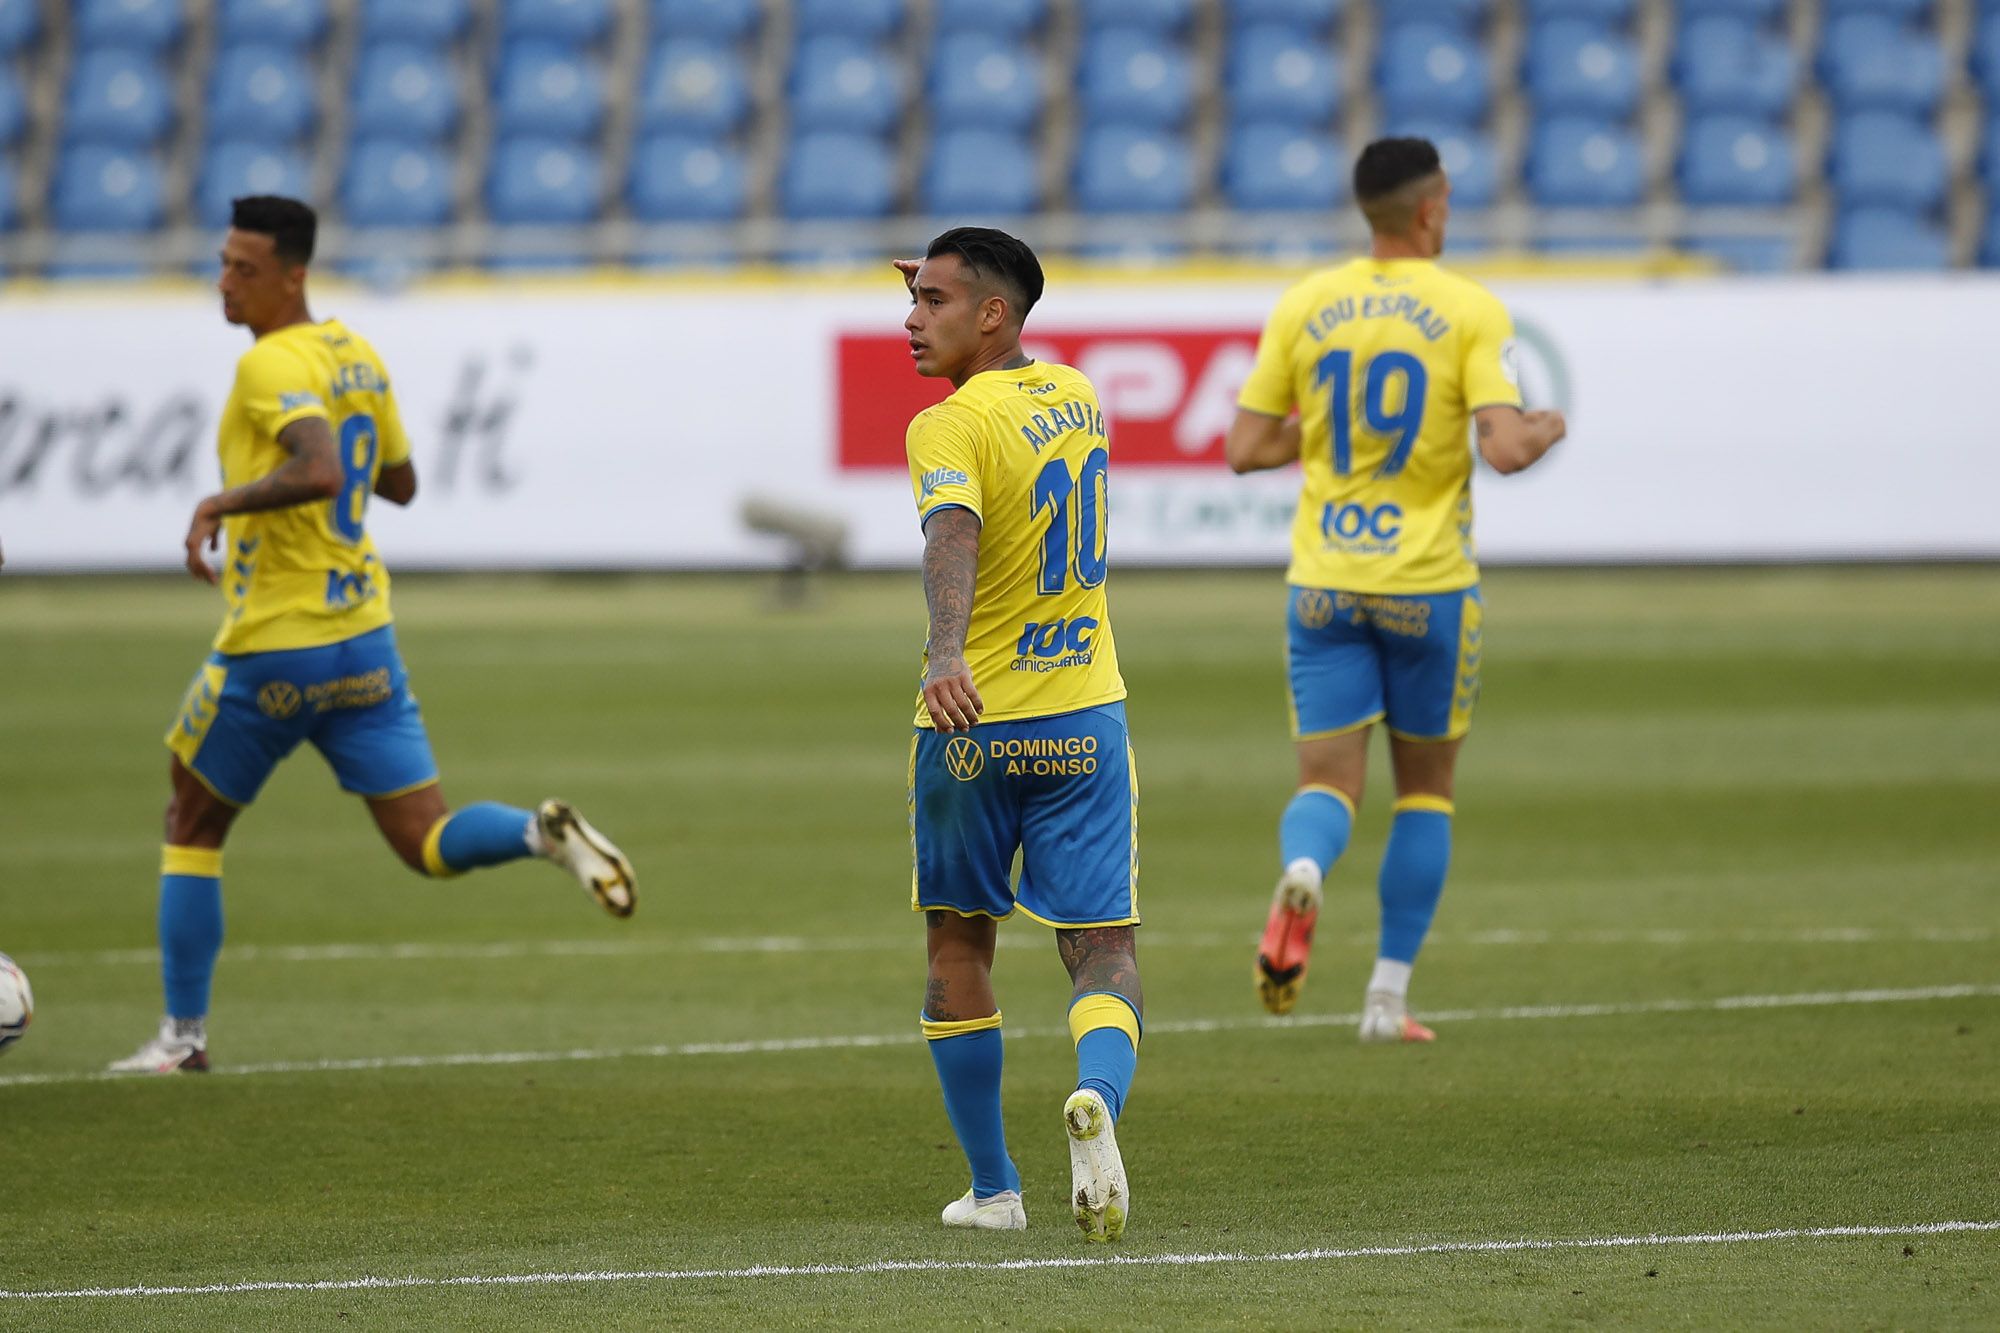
x,y
1336,372
1082,543
357,462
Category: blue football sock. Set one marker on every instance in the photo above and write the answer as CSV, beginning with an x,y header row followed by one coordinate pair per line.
x,y
484,834
190,926
967,1056
1316,824
1105,1028
1413,871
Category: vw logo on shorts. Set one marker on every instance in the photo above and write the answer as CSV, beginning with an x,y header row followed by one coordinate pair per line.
x,y
1315,608
279,699
964,758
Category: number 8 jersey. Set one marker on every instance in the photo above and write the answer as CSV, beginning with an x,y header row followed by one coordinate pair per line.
x,y
1385,362
1026,451
308,575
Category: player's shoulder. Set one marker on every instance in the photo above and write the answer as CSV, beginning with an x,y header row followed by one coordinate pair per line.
x,y
1465,291
952,417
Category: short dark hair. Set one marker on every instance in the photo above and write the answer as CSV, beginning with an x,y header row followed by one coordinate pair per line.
x,y
291,225
1387,165
995,254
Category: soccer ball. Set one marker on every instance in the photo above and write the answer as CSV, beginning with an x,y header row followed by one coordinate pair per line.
x,y
17,1002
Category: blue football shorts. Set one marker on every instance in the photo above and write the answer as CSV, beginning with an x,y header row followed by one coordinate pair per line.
x,y
1358,658
1062,791
246,711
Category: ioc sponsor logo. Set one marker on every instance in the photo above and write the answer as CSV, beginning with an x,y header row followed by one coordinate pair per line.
x,y
1056,637
1359,522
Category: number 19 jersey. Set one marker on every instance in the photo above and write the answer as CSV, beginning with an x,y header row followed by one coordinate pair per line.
x,y
308,575
1025,450
1385,361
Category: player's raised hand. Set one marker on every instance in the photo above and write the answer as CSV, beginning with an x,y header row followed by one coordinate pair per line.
x,y
205,529
908,268
951,697
1551,421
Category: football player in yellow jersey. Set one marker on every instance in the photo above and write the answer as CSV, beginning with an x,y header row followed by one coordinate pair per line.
x,y
1021,741
307,651
1388,363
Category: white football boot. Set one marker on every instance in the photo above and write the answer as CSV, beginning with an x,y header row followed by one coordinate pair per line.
x,y
1385,1020
569,840
179,1048
999,1212
1096,1171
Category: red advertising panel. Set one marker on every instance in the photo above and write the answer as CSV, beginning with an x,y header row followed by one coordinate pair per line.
x,y
1168,395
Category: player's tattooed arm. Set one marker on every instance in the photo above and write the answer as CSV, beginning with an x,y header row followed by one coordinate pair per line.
x,y
951,571
1511,440
311,474
1102,958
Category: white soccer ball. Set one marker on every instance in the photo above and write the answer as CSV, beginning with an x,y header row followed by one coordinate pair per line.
x,y
17,1002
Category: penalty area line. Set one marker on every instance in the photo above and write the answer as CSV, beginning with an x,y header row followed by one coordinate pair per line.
x,y
893,1266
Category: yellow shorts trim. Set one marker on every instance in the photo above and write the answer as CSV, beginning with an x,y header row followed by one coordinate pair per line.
x,y
1347,730
938,1031
916,906
1076,925
400,791
1335,792
1435,804
203,861
1458,733
434,865
1103,1010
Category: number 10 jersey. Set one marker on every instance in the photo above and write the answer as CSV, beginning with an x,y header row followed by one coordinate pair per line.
x,y
1025,450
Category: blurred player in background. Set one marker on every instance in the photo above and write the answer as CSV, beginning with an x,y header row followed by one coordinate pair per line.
x,y
1021,742
1388,362
307,651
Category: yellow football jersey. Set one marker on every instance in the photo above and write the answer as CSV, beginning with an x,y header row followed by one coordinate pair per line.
x,y
307,575
1026,451
1385,362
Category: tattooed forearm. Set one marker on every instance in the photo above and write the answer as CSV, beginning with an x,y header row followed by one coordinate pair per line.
x,y
1102,958
312,473
951,570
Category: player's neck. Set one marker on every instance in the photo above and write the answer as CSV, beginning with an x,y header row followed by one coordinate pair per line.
x,y
1399,247
292,314
1009,357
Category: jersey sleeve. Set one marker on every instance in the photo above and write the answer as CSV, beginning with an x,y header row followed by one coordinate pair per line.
x,y
944,465
394,442
276,387
1269,388
1492,371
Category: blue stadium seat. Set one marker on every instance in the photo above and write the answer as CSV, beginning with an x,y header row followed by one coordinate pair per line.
x,y
1762,11
1730,64
264,93
1134,77
1905,9
1887,238
870,19
1306,16
1597,11
405,91
1880,157
20,24
1868,60
832,174
1736,160
1013,17
839,83
99,187
568,22
1281,74
549,89
140,25
1986,55
424,22
540,180
1470,158
1989,161
1574,162
392,183
1989,245
13,108
1163,16
1268,168
279,22
230,170
117,97
1128,169
987,80
1745,254
10,196
981,173
1582,67
693,84
686,178
1464,15
1433,70
719,20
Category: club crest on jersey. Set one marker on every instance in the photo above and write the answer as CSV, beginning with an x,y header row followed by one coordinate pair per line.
x,y
963,758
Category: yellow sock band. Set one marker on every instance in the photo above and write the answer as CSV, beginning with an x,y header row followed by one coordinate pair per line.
x,y
1103,1010
1335,792
434,865
1435,804
935,1030
204,861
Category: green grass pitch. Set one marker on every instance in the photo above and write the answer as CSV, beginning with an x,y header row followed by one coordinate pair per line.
x,y
1684,788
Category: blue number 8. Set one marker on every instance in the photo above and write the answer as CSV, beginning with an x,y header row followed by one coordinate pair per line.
x,y
358,447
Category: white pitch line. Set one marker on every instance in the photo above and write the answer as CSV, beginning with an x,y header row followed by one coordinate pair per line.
x,y
891,1266
862,1041
769,944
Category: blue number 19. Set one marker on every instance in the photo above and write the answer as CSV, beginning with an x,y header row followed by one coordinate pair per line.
x,y
1336,372
357,462
1081,544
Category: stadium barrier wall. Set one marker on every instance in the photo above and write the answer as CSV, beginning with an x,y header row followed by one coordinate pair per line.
x,y
626,425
